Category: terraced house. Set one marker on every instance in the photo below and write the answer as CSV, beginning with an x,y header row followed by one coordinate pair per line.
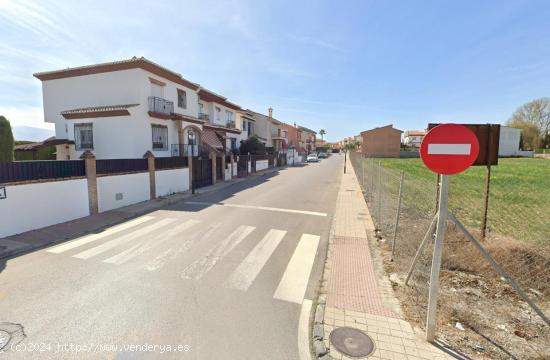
x,y
123,109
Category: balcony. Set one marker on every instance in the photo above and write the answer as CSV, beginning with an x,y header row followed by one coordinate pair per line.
x,y
231,124
276,134
204,117
160,105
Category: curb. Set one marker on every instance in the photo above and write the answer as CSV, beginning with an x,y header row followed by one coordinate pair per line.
x,y
320,351
126,213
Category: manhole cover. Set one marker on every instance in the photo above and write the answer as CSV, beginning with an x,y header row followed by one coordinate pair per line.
x,y
4,339
351,342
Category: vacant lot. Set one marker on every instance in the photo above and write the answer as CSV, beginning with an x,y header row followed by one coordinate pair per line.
x,y
519,205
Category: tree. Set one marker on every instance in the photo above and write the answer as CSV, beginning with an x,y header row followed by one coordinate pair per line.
x,y
6,140
534,119
322,132
252,145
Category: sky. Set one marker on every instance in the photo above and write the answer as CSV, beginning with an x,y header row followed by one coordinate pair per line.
x,y
342,66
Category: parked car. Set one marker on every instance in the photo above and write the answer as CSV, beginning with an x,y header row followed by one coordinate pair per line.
x,y
322,155
312,158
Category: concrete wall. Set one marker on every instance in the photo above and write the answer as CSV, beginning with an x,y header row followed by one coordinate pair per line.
x,y
36,205
509,141
171,181
381,142
261,165
133,187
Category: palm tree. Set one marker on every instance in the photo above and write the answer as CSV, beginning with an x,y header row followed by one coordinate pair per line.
x,y
322,132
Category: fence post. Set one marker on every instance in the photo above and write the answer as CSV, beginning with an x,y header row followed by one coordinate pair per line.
x,y
436,261
232,162
214,170
223,167
151,166
379,225
400,197
190,167
91,176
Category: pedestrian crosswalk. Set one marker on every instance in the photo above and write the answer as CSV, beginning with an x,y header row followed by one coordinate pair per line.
x,y
158,241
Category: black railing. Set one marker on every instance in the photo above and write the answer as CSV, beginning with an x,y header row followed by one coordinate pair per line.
x,y
40,170
160,105
203,116
162,163
114,166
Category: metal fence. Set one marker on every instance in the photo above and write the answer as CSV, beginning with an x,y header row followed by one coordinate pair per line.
x,y
40,170
494,296
114,166
170,162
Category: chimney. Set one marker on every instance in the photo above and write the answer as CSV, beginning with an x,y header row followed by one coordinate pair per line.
x,y
270,110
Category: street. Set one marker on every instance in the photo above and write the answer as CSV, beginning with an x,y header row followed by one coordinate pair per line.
x,y
221,275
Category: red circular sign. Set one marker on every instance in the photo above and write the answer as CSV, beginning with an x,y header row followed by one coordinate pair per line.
x,y
449,149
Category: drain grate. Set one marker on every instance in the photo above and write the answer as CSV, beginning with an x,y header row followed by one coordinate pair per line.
x,y
351,342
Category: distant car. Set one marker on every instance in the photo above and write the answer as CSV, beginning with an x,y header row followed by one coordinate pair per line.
x,y
312,158
322,155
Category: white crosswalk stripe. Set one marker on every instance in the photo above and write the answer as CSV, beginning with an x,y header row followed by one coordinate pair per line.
x,y
200,267
293,284
188,242
156,240
246,272
86,254
93,237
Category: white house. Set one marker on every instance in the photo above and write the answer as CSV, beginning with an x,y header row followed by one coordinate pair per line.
x,y
221,116
413,138
122,109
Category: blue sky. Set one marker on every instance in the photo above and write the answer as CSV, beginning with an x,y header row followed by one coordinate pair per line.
x,y
343,66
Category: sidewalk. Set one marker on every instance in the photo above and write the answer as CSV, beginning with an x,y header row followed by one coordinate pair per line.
x,y
39,238
358,292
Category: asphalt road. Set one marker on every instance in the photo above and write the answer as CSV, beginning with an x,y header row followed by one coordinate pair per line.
x,y
223,275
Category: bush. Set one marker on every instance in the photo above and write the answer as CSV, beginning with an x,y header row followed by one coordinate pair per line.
x,y
253,145
6,140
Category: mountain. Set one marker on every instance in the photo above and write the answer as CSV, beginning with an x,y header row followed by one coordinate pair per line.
x,y
31,133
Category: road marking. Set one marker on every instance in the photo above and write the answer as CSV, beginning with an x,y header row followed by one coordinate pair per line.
x,y
292,211
246,272
158,239
201,266
293,285
86,254
93,237
170,254
303,331
449,149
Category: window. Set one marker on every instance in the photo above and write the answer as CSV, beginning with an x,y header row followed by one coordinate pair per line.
x,y
233,144
218,111
244,125
182,99
201,108
229,115
84,136
160,137
250,128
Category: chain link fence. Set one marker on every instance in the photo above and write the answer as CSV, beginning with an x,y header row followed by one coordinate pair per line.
x,y
480,313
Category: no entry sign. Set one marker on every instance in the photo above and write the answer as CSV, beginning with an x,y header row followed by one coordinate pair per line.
x,y
449,149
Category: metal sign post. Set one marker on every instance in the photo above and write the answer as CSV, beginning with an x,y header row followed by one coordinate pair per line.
x,y
436,262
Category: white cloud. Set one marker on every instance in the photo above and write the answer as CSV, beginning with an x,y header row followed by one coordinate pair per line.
x,y
26,116
316,42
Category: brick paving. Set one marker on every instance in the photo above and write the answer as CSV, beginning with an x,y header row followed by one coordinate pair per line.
x,y
358,292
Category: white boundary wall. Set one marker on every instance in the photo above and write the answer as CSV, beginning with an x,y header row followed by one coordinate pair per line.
x,y
261,165
36,205
171,181
133,187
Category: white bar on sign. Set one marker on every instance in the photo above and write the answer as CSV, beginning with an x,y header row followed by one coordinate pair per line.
x,y
449,149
